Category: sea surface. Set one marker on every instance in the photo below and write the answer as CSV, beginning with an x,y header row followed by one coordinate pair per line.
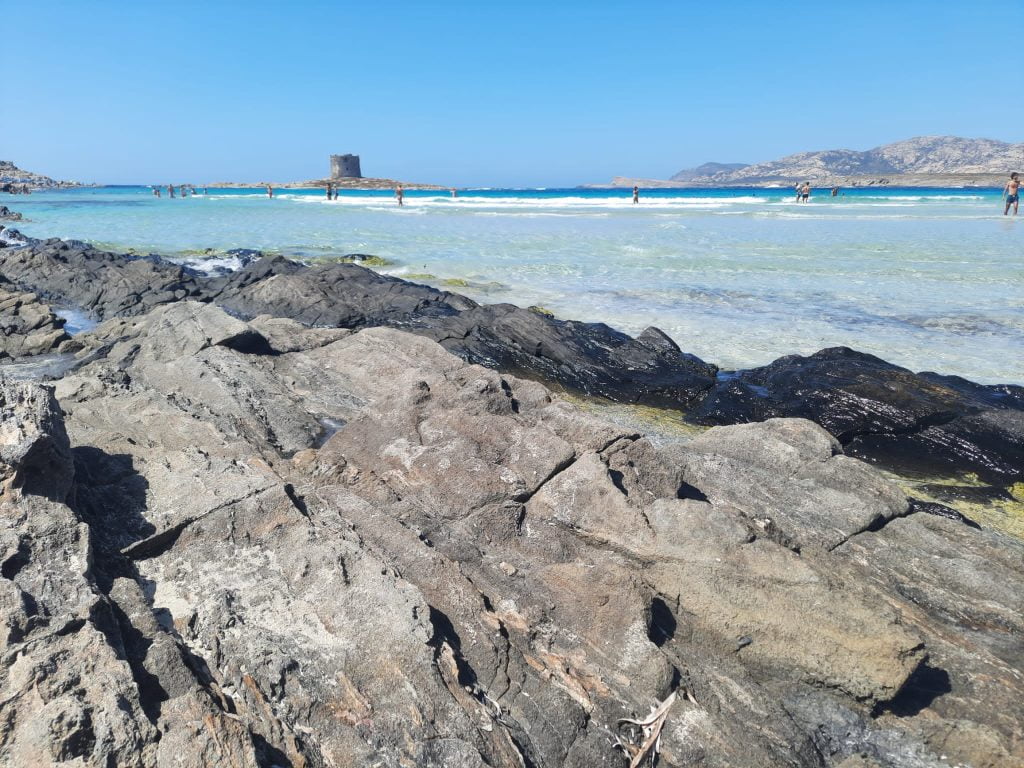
x,y
931,279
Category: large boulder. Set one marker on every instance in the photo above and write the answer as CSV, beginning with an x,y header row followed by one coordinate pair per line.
x,y
27,326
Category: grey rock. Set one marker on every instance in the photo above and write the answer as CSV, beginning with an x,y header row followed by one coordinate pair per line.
x,y
795,483
28,327
468,571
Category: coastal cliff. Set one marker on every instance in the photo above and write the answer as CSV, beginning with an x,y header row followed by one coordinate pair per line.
x,y
315,516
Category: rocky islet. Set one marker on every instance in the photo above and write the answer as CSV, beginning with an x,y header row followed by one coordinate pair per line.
x,y
316,516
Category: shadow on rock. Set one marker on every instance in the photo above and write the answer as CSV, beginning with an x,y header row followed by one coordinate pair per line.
x,y
922,688
110,495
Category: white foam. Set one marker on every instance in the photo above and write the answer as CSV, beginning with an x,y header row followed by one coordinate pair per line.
x,y
11,238
210,266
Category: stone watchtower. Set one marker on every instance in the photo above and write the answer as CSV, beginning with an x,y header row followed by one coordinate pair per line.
x,y
345,167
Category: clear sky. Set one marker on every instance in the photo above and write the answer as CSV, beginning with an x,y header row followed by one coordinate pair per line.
x,y
487,92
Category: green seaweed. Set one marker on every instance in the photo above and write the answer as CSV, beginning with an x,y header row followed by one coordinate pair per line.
x,y
369,261
1004,513
372,261
455,282
646,419
541,310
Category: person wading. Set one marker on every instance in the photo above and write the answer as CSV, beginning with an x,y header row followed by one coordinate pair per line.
x,y
1012,192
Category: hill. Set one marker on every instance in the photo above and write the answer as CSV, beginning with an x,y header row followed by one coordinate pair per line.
x,y
707,169
13,177
916,160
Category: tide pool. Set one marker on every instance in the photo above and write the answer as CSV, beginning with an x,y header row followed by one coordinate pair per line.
x,y
932,279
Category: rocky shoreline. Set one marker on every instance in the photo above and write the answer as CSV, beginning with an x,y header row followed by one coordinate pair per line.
x,y
15,180
919,424
316,516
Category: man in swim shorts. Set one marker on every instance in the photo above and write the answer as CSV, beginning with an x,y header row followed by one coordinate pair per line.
x,y
805,191
1012,192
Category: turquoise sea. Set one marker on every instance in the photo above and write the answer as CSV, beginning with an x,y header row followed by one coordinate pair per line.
x,y
932,279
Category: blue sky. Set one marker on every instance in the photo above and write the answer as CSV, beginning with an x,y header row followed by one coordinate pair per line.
x,y
489,93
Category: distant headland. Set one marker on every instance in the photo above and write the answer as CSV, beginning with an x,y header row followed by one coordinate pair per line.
x,y
14,180
924,161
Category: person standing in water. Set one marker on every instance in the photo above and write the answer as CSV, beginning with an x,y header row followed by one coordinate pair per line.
x,y
835,191
400,193
1012,192
170,190
636,195
270,191
330,191
805,192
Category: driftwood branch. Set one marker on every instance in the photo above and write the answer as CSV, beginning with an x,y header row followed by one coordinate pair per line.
x,y
644,740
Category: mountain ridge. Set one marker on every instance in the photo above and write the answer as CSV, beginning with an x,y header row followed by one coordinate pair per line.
x,y
920,156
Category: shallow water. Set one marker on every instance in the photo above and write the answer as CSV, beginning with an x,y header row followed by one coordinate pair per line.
x,y
930,279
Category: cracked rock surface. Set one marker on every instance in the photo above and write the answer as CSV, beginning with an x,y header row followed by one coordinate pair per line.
x,y
253,544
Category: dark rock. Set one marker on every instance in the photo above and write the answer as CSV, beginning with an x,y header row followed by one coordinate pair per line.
x,y
11,238
588,357
933,508
6,214
245,255
330,295
102,283
917,424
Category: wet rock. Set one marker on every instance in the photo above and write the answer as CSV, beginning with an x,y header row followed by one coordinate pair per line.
x,y
11,238
101,283
919,424
330,295
589,357
6,214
